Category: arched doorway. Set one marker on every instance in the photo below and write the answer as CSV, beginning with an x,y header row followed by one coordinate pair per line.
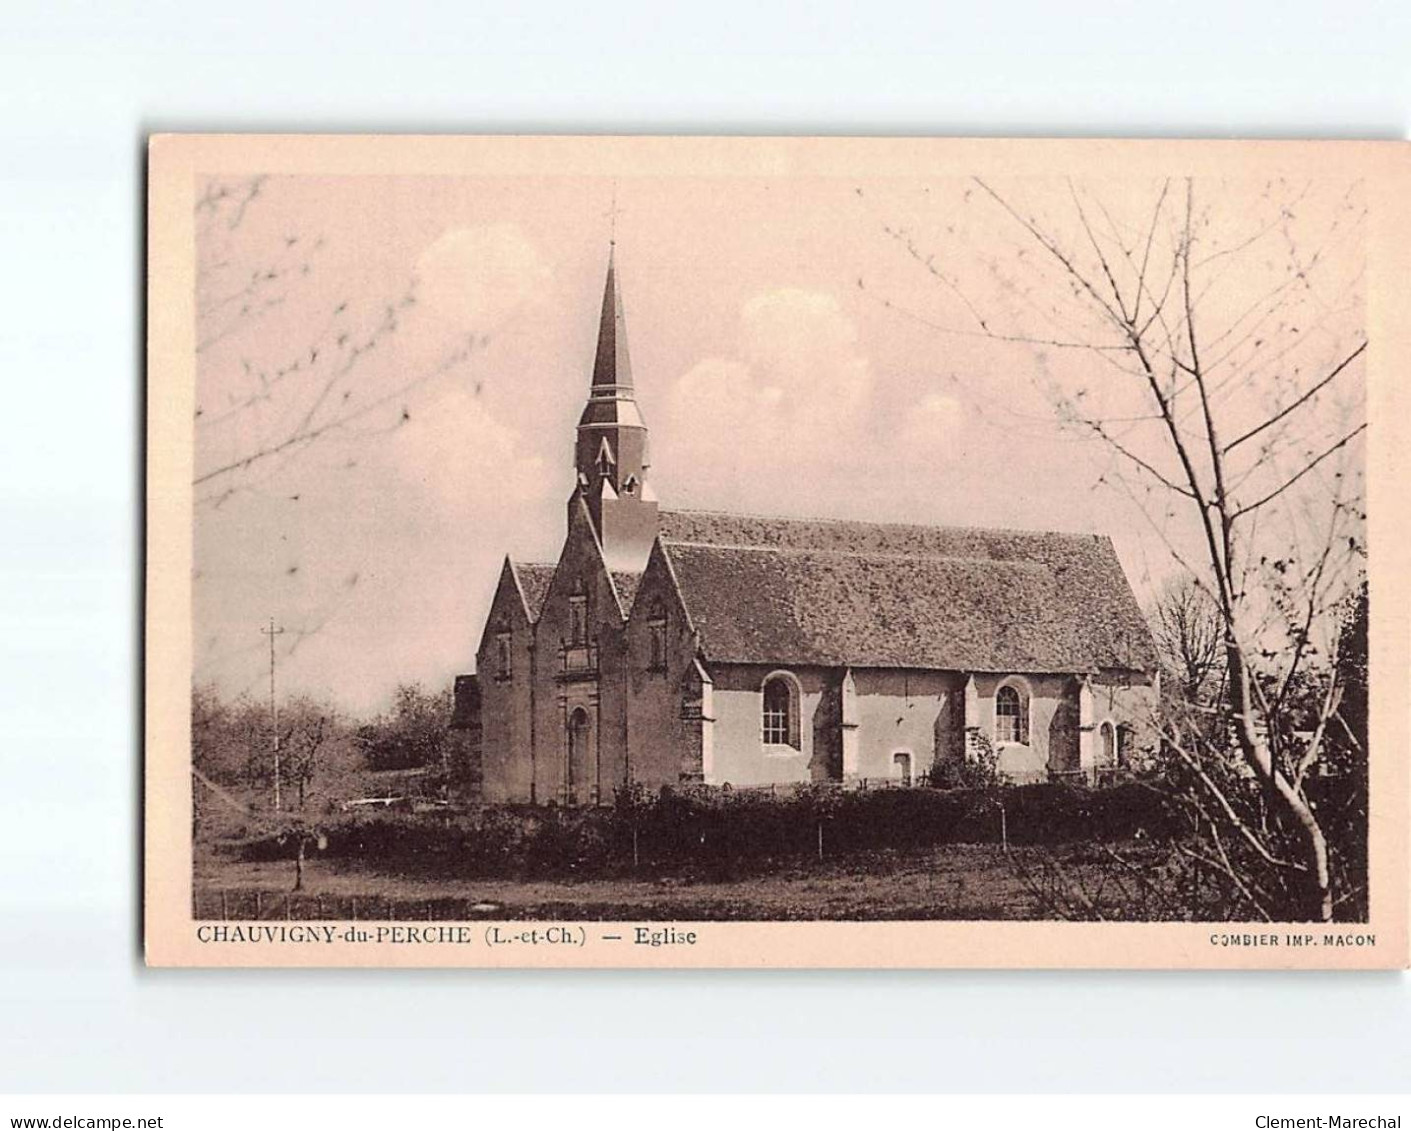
x,y
579,756
1107,757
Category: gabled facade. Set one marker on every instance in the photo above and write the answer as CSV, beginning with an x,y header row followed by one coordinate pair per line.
x,y
674,647
579,705
504,674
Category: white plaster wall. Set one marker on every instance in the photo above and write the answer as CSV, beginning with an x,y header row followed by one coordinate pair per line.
x,y
898,711
1046,698
740,756
1120,698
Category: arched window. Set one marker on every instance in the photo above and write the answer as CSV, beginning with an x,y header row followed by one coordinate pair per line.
x,y
504,654
578,616
656,632
781,710
576,777
1107,755
1011,715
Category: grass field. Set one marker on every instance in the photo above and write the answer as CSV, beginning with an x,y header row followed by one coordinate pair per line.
x,y
963,882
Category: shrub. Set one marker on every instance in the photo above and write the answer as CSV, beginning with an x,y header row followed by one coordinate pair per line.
x,y
722,833
978,772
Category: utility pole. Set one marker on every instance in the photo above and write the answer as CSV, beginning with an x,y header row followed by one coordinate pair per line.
x,y
272,632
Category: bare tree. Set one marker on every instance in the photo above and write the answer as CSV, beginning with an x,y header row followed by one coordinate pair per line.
x,y
264,411
1190,639
1225,345
271,420
307,730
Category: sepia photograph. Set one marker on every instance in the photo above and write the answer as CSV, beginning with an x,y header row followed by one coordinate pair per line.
x,y
709,542
624,564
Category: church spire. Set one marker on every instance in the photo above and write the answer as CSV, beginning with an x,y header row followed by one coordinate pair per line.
x,y
611,421
612,368
610,455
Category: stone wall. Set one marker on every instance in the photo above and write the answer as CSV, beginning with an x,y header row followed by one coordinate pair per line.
x,y
587,677
669,708
506,701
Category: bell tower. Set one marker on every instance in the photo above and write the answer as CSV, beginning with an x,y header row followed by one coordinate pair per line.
x,y
610,454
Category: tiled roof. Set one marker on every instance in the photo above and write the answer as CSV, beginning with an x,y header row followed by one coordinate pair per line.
x,y
789,591
534,578
626,586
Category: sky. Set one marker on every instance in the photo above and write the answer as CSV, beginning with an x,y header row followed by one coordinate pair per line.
x,y
390,370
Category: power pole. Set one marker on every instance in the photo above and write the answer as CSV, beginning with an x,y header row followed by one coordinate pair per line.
x,y
272,632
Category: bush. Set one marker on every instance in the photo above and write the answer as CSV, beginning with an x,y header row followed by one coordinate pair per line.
x,y
724,833
978,772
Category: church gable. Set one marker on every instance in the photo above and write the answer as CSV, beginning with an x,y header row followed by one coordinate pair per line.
x,y
582,572
669,715
659,628
499,702
534,579
509,618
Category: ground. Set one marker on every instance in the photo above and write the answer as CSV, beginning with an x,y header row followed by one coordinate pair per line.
x,y
958,882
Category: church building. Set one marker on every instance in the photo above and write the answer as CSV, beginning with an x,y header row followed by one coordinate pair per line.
x,y
673,647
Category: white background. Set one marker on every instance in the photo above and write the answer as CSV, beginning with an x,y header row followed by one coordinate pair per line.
x,y
82,84
239,1112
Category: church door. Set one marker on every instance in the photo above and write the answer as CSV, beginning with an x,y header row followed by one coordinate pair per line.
x,y
579,737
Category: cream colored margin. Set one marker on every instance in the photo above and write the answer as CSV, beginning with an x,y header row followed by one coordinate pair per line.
x,y
174,162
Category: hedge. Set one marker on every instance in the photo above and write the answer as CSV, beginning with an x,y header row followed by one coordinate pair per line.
x,y
719,831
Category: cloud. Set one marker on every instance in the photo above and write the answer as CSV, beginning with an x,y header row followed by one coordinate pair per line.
x,y
455,447
798,421
475,278
797,390
802,349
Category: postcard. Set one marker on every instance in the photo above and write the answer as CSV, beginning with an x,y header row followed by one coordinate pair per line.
x,y
777,552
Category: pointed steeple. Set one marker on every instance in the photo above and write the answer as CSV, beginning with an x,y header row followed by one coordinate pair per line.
x,y
610,456
612,368
611,413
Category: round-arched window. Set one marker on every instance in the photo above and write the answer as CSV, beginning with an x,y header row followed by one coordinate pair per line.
x,y
656,638
1108,755
1011,715
780,705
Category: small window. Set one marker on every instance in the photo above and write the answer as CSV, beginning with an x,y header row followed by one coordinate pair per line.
x,y
578,619
1110,737
656,632
504,656
1011,716
781,711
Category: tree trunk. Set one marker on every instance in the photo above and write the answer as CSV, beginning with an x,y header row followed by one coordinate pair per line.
x,y
1318,900
299,867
